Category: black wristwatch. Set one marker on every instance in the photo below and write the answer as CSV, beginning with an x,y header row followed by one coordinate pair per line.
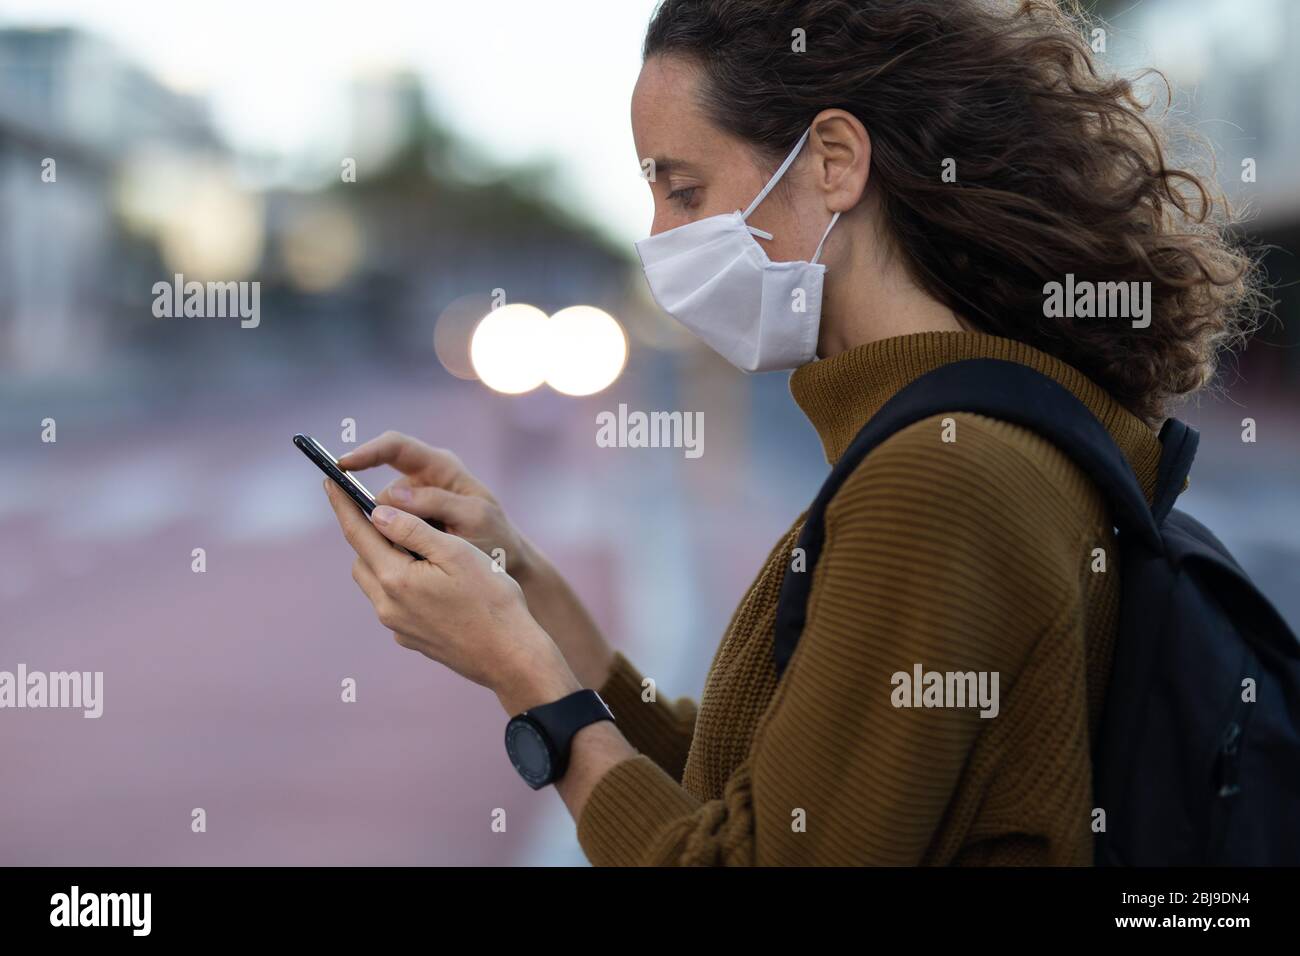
x,y
538,740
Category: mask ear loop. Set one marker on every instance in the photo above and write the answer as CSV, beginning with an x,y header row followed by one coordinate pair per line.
x,y
771,184
818,253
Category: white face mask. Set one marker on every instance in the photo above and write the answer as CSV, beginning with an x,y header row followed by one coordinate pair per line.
x,y
714,278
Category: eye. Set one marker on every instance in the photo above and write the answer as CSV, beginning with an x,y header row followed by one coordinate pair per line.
x,y
683,197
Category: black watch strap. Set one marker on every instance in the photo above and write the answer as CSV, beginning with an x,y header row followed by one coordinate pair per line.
x,y
560,720
563,718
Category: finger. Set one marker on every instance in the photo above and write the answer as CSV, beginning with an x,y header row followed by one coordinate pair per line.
x,y
367,581
373,589
436,466
405,529
451,509
371,546
403,452
378,451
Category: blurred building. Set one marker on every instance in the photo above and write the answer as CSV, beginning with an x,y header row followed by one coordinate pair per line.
x,y
71,111
142,188
422,223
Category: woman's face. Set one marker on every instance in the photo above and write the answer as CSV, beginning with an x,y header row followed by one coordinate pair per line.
x,y
701,171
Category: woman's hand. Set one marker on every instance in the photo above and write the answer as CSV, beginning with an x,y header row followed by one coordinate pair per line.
x,y
456,607
434,484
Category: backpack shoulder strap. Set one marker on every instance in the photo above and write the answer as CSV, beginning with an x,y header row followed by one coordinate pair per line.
x,y
1007,391
1177,449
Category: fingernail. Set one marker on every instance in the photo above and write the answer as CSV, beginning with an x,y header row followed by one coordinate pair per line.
x,y
401,494
382,515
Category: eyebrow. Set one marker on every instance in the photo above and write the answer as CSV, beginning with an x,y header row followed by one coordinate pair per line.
x,y
665,165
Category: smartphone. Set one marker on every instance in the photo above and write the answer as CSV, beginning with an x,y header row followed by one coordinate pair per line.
x,y
354,489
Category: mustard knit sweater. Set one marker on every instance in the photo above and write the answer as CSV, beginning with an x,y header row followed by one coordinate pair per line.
x,y
966,555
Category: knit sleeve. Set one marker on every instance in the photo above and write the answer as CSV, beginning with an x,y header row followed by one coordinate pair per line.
x,y
936,558
660,729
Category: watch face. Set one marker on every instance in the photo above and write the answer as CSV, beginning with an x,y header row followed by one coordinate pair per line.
x,y
529,752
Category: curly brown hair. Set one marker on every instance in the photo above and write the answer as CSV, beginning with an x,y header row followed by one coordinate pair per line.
x,y
1060,169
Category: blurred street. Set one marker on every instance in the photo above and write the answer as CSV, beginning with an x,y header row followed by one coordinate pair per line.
x,y
222,689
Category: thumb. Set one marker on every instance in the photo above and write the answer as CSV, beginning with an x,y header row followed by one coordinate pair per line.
x,y
412,533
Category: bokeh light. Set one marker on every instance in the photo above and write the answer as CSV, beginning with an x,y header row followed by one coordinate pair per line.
x,y
508,347
586,350
321,247
454,330
207,225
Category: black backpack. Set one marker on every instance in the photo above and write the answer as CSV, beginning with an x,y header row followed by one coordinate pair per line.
x,y
1187,771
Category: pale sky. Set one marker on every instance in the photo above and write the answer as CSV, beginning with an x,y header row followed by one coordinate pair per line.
x,y
521,79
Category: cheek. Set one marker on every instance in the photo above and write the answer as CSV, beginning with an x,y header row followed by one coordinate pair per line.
x,y
724,197
669,214
783,248
794,238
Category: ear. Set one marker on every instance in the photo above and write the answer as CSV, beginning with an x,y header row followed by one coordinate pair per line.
x,y
841,150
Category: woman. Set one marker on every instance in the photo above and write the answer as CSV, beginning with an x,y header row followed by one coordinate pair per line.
x,y
944,160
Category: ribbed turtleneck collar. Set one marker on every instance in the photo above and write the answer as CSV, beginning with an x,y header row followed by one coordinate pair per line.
x,y
841,393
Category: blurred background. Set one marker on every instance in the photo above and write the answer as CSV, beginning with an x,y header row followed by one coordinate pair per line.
x,y
387,175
